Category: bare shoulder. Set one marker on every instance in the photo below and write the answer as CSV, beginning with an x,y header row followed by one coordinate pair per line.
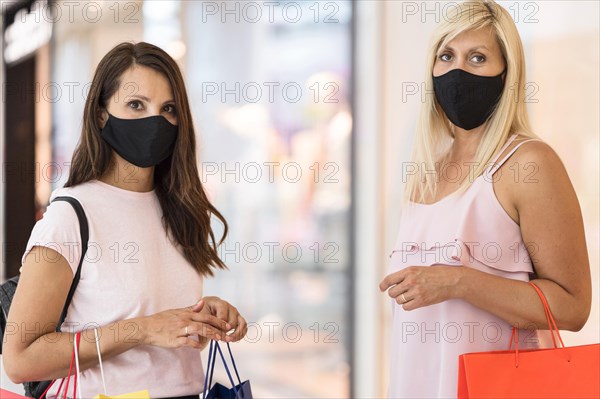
x,y
537,172
534,150
532,175
537,156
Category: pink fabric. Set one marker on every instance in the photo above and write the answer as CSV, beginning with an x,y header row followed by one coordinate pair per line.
x,y
470,229
130,270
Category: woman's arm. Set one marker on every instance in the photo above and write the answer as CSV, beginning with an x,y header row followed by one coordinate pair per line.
x,y
551,227
33,351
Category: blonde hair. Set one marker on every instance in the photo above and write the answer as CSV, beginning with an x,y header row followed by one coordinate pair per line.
x,y
434,132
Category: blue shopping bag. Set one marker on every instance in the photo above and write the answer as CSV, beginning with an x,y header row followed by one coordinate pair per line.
x,y
218,391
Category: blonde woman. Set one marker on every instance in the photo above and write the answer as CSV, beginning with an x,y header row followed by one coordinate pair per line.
x,y
490,207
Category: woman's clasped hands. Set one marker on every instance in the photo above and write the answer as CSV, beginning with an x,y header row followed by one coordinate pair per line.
x,y
210,319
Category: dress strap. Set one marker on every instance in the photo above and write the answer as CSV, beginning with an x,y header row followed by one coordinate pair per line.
x,y
496,165
504,147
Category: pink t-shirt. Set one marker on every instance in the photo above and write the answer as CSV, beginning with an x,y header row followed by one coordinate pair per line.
x,y
131,269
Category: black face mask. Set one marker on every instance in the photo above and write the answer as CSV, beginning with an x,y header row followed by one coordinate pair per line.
x,y
143,142
467,99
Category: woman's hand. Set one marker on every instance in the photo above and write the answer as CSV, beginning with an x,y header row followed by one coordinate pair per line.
x,y
418,286
172,328
223,310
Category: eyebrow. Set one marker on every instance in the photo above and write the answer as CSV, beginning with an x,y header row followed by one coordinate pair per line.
x,y
144,98
471,49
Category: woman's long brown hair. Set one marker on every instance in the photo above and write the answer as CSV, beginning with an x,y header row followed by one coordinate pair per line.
x,y
186,209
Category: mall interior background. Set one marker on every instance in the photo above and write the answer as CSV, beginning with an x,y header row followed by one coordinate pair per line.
x,y
304,113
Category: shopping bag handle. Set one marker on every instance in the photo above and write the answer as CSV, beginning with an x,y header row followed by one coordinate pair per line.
x,y
76,353
212,356
549,317
97,338
233,363
68,378
210,367
552,326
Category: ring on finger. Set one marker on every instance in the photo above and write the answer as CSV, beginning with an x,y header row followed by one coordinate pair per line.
x,y
404,300
186,331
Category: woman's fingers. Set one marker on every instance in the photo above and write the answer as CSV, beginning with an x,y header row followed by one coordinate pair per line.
x,y
223,316
397,290
211,320
205,330
173,328
185,341
208,331
221,309
198,307
234,321
241,329
392,279
233,318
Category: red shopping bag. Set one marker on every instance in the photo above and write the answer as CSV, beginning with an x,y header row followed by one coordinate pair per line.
x,y
572,372
4,394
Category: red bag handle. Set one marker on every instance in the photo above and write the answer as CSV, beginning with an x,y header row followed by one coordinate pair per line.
x,y
78,339
551,324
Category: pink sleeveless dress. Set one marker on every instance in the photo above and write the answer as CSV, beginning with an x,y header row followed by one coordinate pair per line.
x,y
470,229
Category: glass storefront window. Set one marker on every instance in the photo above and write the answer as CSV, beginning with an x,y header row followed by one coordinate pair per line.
x,y
269,87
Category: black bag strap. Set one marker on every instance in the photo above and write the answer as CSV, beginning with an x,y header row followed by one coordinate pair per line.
x,y
85,234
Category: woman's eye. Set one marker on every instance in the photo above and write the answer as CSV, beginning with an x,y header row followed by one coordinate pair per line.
x,y
478,59
169,108
445,57
136,105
